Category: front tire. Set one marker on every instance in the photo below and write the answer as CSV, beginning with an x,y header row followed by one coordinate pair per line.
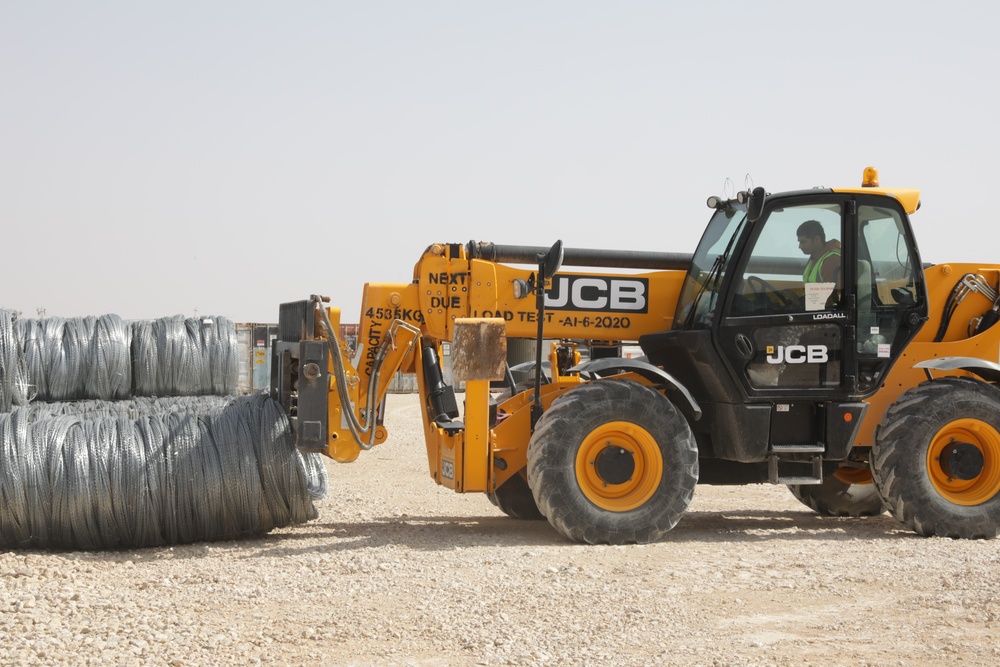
x,y
612,462
936,459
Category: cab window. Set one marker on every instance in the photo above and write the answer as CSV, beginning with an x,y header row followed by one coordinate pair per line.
x,y
885,288
795,264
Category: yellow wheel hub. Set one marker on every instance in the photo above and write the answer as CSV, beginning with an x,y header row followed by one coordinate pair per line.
x,y
963,462
619,466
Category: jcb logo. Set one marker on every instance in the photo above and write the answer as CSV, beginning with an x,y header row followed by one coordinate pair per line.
x,y
797,354
609,294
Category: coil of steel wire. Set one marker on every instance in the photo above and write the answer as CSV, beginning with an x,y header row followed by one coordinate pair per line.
x,y
175,356
106,358
119,434
151,473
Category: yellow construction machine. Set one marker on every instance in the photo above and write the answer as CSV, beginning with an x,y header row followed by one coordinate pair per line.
x,y
802,343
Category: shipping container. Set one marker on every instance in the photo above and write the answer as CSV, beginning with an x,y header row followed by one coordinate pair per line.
x,y
254,342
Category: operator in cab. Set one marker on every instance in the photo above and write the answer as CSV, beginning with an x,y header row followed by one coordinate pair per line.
x,y
823,267
824,256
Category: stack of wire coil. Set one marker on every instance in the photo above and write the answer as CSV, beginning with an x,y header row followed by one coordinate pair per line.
x,y
187,462
107,358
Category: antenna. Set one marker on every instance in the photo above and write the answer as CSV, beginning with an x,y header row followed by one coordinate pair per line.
x,y
728,189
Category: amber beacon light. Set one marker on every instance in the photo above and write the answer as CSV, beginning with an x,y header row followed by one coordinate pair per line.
x,y
870,178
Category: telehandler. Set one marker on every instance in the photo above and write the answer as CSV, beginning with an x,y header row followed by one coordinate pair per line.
x,y
867,387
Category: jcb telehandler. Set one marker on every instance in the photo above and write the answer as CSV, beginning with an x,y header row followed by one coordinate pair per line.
x,y
866,385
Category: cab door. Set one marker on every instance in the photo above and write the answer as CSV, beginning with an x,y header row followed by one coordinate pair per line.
x,y
787,329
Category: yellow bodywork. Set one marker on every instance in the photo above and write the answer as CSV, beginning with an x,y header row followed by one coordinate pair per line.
x,y
446,289
910,199
957,342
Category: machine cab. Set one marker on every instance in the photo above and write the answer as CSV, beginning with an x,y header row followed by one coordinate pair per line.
x,y
793,303
818,294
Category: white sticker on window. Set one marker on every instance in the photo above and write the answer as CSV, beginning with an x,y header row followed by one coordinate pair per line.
x,y
884,350
817,295
874,331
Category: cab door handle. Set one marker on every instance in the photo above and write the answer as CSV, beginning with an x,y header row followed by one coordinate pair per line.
x,y
743,346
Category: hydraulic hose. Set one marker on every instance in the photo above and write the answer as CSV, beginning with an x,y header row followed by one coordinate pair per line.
x,y
366,425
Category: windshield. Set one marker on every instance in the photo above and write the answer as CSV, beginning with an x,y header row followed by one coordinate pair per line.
x,y
703,282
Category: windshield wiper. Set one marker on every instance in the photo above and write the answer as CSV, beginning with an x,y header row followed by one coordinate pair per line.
x,y
714,275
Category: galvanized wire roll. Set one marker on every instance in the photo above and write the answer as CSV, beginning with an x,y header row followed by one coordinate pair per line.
x,y
13,371
174,356
79,481
77,358
106,358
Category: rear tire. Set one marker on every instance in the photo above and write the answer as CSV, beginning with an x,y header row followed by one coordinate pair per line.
x,y
847,492
936,459
514,499
612,462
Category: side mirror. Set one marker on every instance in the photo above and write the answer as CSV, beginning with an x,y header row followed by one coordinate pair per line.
x,y
756,205
552,261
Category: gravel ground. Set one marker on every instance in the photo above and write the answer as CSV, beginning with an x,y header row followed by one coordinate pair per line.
x,y
399,571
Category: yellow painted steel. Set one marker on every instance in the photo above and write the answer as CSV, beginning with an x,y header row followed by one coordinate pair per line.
x,y
493,296
455,287
986,484
449,460
477,457
909,198
513,429
646,457
447,286
940,280
341,445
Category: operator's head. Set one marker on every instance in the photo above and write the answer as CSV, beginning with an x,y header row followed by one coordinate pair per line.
x,y
812,237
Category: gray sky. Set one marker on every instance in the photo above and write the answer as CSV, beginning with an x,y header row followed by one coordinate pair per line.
x,y
158,158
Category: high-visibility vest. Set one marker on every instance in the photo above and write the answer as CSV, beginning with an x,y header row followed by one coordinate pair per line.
x,y
814,269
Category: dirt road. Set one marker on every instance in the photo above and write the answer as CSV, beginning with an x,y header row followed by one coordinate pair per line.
x,y
398,571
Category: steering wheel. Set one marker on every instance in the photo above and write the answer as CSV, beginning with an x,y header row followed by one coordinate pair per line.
x,y
763,290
